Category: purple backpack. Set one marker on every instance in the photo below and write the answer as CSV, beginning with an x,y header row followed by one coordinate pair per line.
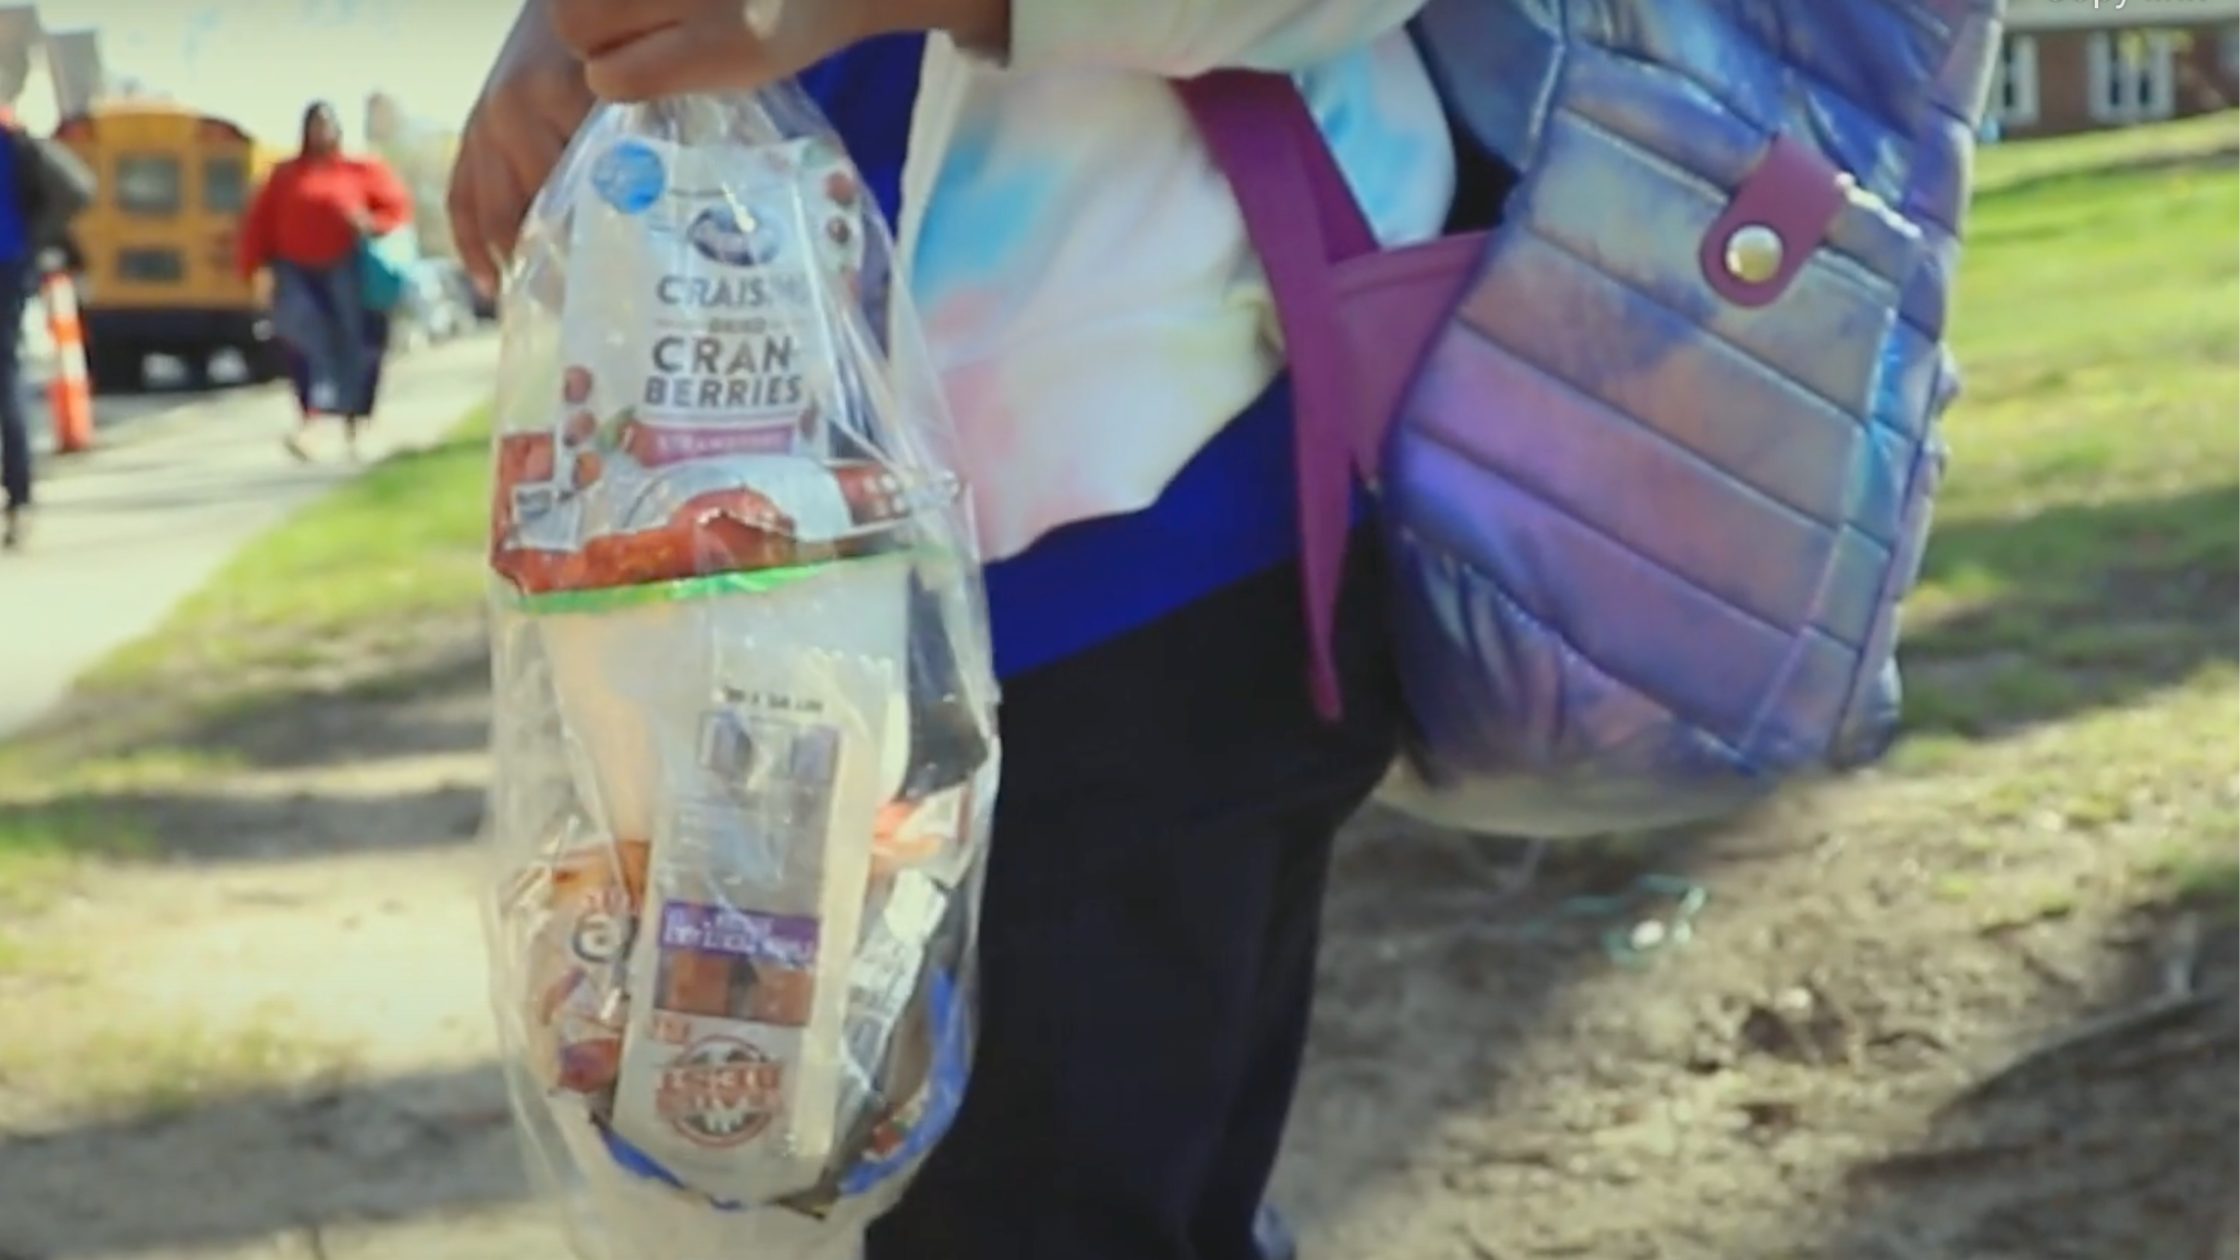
x,y
1653,457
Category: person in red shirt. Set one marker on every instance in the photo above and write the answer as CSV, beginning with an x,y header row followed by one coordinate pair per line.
x,y
307,225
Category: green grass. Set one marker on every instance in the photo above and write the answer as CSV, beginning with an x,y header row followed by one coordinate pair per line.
x,y
2198,864
347,582
148,1076
2082,587
2004,166
41,842
403,541
2211,879
2089,533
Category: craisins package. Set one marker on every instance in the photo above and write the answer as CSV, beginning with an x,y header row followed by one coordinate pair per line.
x,y
745,740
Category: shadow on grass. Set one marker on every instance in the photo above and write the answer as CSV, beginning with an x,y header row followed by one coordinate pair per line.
x,y
201,826
2219,152
385,761
244,1168
324,704
437,704
2087,607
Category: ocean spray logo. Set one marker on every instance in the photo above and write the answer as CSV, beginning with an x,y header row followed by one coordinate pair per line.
x,y
738,239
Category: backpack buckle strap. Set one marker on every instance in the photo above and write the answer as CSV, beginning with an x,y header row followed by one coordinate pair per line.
x,y
1774,222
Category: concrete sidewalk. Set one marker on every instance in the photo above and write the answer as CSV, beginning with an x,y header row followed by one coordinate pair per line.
x,y
123,532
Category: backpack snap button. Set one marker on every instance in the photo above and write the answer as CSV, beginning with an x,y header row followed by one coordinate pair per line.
x,y
1754,253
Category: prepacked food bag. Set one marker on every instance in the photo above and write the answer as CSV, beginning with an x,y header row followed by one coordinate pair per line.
x,y
744,736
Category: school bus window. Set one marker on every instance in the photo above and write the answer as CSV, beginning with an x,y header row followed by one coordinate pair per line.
x,y
225,186
148,184
151,266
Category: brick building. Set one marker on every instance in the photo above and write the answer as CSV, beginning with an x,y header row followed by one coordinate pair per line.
x,y
2077,65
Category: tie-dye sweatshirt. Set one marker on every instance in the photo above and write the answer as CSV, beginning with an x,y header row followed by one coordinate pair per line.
x,y
1090,298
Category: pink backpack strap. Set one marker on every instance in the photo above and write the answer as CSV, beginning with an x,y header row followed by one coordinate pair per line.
x,y
1303,218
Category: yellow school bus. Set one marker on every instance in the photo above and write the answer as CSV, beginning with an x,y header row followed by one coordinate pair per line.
x,y
159,240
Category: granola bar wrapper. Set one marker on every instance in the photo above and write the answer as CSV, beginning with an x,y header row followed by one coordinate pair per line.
x,y
745,743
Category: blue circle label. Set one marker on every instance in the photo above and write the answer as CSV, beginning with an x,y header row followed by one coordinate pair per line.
x,y
630,177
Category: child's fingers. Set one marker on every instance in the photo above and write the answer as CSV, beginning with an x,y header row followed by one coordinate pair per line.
x,y
531,156
490,195
476,224
512,144
697,57
462,205
594,27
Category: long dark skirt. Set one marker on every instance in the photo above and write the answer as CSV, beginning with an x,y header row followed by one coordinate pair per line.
x,y
374,339
335,346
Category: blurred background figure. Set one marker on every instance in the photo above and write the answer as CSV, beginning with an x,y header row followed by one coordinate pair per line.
x,y
309,227
42,188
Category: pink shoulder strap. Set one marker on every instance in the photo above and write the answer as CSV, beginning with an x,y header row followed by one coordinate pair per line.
x,y
1303,218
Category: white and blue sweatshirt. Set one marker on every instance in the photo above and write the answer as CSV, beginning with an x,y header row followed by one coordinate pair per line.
x,y
1097,316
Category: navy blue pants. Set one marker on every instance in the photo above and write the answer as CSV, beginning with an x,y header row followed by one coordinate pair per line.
x,y
1148,937
16,281
374,333
355,392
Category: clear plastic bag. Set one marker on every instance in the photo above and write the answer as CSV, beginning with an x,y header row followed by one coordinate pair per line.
x,y
745,739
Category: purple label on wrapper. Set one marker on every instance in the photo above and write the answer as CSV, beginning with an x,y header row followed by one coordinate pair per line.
x,y
779,940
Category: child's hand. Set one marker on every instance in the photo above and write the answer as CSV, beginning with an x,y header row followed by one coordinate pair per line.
x,y
561,53
530,107
637,49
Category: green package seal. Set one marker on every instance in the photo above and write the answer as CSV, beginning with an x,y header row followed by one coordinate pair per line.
x,y
685,590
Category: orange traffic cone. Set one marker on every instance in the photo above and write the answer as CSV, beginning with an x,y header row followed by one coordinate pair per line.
x,y
70,393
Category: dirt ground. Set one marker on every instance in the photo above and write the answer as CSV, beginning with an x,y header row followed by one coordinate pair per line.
x,y
273,1042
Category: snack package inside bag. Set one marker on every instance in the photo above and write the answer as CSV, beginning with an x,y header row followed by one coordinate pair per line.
x,y
745,739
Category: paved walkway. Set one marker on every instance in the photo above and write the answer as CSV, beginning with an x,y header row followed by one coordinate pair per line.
x,y
124,531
